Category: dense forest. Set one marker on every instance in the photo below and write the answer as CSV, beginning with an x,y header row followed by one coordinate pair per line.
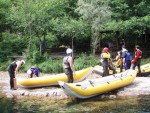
x,y
28,27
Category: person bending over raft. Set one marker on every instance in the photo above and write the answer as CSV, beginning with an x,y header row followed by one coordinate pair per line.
x,y
13,68
33,72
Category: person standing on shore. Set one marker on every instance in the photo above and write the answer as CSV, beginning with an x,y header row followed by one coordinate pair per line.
x,y
106,61
123,52
68,65
137,59
13,68
127,60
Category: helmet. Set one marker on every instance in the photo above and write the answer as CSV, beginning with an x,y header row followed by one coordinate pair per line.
x,y
69,51
29,71
23,61
137,46
124,50
105,49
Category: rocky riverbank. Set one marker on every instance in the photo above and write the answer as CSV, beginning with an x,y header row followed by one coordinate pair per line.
x,y
141,86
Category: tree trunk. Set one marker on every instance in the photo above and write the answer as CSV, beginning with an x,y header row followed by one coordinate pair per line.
x,y
30,37
95,40
72,48
116,39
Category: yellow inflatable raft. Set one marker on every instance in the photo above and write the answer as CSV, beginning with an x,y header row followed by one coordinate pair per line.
x,y
52,80
145,69
99,70
90,88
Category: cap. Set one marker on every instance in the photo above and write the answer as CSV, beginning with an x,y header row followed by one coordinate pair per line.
x,y
69,51
23,61
124,50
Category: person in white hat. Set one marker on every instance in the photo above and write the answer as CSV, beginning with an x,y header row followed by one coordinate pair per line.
x,y
122,52
33,72
13,68
68,65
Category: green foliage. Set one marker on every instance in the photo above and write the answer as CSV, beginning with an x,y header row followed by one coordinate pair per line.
x,y
11,44
23,25
129,17
97,13
4,12
51,66
32,54
85,61
51,40
56,65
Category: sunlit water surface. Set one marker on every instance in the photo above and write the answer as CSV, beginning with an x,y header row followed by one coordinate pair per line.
x,y
92,105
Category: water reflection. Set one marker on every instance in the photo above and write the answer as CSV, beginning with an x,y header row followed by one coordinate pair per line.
x,y
5,104
94,105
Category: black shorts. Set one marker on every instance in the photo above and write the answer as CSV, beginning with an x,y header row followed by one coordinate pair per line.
x,y
68,71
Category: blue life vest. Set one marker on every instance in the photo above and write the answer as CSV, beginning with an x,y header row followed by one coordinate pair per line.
x,y
35,71
128,56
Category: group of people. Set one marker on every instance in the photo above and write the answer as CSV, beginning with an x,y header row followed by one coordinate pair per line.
x,y
14,67
124,56
68,64
125,59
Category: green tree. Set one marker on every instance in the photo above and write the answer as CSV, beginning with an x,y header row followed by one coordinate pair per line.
x,y
96,12
130,18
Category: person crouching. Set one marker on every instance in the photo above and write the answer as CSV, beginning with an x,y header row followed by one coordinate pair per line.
x,y
33,72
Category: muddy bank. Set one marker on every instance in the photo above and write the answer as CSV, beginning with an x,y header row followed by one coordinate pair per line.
x,y
141,86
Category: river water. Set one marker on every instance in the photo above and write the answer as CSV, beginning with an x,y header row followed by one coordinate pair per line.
x,y
93,105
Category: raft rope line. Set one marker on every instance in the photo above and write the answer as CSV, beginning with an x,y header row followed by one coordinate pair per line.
x,y
92,82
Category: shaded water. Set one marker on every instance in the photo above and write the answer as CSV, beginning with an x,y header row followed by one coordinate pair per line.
x,y
92,105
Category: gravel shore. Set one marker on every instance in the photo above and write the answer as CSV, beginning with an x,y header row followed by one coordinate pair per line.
x,y
141,86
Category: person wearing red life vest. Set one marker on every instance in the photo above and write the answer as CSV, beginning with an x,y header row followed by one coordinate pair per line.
x,y
137,59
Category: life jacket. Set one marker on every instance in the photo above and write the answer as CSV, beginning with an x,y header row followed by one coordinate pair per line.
x,y
128,56
35,71
65,62
105,55
140,53
12,66
118,62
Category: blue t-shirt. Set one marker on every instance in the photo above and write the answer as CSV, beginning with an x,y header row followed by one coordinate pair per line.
x,y
128,56
35,71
